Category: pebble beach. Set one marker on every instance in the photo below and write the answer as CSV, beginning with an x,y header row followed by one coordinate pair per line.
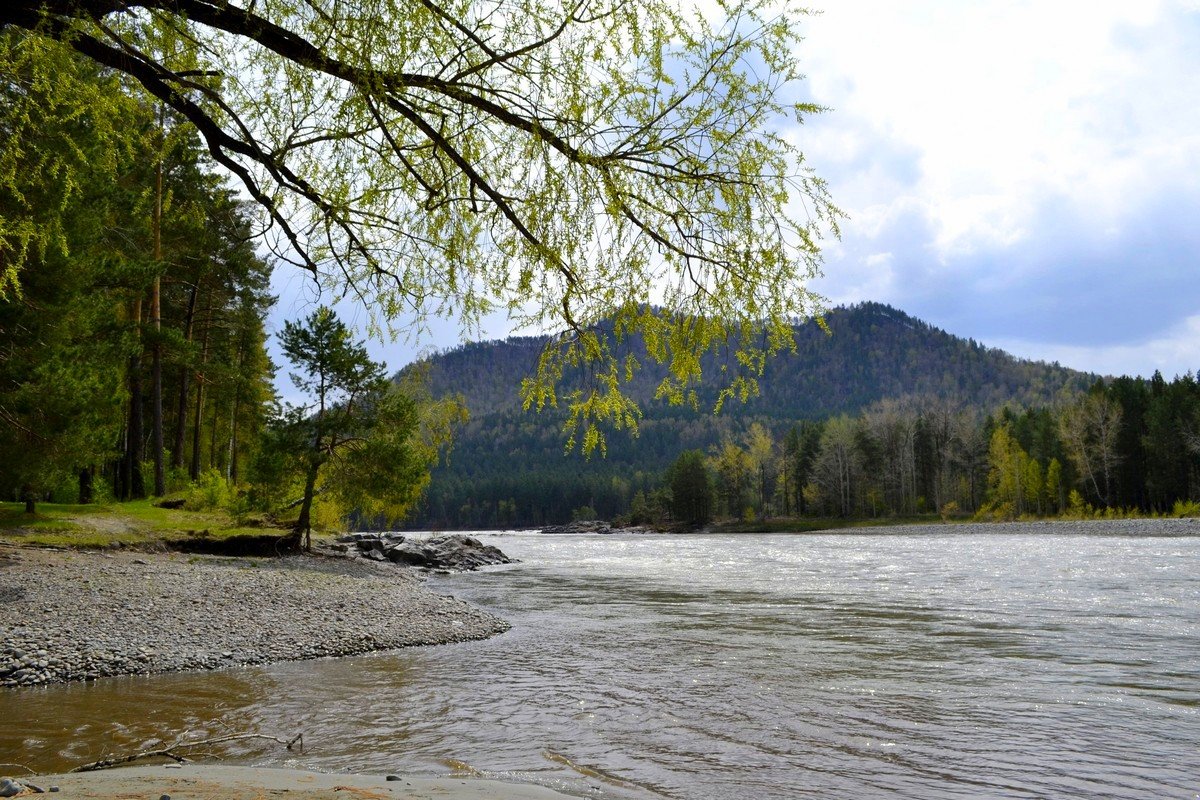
x,y
82,615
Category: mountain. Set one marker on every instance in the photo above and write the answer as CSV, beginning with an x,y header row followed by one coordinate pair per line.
x,y
871,352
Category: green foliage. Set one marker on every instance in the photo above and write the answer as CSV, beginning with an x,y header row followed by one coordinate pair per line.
x,y
78,169
1008,478
1186,508
892,452
691,489
1077,507
363,444
597,157
583,514
209,493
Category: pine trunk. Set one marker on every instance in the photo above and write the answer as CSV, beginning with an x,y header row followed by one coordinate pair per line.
x,y
135,483
184,374
199,413
156,405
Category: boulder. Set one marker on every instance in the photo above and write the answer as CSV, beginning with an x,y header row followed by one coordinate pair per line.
x,y
454,552
580,526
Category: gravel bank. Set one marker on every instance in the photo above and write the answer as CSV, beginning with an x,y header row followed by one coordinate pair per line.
x,y
69,616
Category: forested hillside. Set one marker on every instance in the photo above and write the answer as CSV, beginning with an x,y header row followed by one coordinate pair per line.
x,y
509,466
872,351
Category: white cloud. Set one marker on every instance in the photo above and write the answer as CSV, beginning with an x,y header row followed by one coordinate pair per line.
x,y
1172,354
1002,102
1028,165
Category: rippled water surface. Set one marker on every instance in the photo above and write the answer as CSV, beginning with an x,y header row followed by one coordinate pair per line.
x,y
773,666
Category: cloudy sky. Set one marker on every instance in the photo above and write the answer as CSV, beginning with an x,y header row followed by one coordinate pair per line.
x,y
1023,173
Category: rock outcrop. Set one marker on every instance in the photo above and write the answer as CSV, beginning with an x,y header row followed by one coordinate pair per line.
x,y
594,526
455,552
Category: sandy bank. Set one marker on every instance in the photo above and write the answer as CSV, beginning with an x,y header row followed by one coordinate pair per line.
x,y
200,782
67,616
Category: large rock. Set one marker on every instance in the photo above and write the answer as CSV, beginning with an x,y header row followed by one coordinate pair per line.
x,y
580,526
455,551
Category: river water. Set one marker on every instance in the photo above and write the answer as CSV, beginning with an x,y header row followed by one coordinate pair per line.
x,y
927,664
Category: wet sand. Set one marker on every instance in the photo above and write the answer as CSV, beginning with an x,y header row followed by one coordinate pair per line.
x,y
210,782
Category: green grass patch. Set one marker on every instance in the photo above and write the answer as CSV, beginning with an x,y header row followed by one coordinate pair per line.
x,y
136,524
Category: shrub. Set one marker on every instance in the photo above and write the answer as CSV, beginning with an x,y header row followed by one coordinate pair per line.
x,y
1186,508
583,514
209,492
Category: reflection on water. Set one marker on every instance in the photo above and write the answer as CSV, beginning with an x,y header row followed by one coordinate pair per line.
x,y
931,666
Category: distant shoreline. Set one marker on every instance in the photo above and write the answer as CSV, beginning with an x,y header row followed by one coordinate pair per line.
x,y
1148,526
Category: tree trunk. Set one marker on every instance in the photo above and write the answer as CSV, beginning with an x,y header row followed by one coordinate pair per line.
x,y
30,498
304,522
199,414
231,470
197,423
160,483
86,492
184,374
156,405
135,486
214,460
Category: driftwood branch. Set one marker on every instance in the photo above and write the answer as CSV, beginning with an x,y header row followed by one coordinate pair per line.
x,y
170,750
22,766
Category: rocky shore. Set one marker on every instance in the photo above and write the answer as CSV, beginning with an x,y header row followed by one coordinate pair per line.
x,y
81,615
450,552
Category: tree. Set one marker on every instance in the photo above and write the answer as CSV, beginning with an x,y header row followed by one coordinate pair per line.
x,y
800,447
1007,478
760,456
356,419
837,470
1054,486
80,187
691,490
732,470
1089,428
61,359
555,160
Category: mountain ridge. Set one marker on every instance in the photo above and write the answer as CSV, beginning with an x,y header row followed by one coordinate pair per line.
x,y
859,362
508,466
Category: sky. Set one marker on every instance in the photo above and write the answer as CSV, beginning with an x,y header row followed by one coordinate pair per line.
x,y
1023,173
1026,174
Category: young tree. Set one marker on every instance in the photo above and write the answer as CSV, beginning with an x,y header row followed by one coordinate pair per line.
x,y
568,162
1089,428
357,422
733,476
801,446
1007,473
760,456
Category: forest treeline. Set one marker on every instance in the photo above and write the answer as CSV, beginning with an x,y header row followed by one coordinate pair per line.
x,y
133,338
133,358
1122,446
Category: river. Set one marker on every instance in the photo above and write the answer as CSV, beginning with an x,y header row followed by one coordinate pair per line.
x,y
927,664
